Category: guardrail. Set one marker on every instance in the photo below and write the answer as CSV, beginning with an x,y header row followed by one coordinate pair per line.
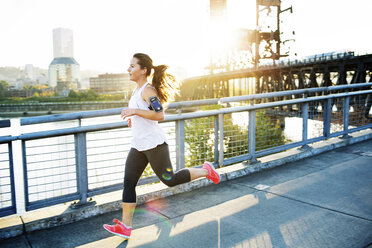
x,y
7,190
75,163
319,58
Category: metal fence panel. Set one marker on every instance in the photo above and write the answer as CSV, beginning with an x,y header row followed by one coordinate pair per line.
x,y
170,131
269,129
360,113
337,116
235,134
50,169
106,153
7,192
316,119
199,141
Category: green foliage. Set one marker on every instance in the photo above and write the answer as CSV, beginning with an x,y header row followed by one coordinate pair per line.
x,y
73,94
269,131
89,95
199,137
109,97
211,107
3,88
14,99
199,140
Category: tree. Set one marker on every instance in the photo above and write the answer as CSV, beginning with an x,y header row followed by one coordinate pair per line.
x,y
199,140
72,94
91,95
3,88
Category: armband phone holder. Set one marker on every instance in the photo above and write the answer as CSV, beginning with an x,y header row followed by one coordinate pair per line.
x,y
155,104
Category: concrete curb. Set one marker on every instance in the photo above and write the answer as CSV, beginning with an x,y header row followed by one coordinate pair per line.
x,y
61,214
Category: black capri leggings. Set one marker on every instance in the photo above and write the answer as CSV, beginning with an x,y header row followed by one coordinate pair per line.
x,y
160,162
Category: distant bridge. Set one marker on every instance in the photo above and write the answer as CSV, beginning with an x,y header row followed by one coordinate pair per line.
x,y
322,70
314,71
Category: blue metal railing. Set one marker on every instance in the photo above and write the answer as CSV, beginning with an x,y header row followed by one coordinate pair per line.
x,y
76,163
7,189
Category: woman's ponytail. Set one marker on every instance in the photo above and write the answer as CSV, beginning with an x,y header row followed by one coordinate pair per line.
x,y
164,83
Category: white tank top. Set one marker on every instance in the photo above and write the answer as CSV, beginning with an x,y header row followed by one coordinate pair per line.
x,y
147,134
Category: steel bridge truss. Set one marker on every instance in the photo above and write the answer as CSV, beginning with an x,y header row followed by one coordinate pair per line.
x,y
316,71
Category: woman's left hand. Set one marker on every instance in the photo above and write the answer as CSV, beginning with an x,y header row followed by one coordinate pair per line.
x,y
127,112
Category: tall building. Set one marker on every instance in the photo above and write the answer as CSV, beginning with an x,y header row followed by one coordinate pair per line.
x,y
63,44
217,10
64,74
64,70
29,72
111,83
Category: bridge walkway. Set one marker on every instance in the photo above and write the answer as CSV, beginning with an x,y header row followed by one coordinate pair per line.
x,y
320,201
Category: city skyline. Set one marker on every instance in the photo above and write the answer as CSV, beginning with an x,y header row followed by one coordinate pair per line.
x,y
107,34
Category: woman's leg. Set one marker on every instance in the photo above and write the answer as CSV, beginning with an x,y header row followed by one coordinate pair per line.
x,y
196,173
134,166
128,211
161,164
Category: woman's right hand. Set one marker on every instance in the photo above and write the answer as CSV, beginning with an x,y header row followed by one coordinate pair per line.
x,y
129,122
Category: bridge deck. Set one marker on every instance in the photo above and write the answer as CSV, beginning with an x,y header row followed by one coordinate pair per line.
x,y
321,201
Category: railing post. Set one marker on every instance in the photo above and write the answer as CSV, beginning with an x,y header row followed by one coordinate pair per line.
x,y
25,176
180,144
305,121
81,169
18,166
11,173
252,136
216,144
221,151
346,117
327,118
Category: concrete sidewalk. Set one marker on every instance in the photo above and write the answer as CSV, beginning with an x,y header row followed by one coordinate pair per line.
x,y
321,201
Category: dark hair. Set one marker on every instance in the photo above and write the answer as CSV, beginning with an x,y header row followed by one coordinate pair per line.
x,y
163,82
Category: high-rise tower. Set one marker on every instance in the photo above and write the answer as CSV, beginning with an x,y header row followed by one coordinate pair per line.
x,y
64,71
63,44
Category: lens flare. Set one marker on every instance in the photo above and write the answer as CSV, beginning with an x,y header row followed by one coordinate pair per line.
x,y
167,176
156,215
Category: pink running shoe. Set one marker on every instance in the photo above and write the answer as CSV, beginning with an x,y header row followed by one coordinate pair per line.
x,y
212,173
119,229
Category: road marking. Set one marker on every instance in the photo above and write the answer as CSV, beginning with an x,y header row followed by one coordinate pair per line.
x,y
261,187
369,154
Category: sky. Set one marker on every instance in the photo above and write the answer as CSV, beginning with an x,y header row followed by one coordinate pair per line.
x,y
173,32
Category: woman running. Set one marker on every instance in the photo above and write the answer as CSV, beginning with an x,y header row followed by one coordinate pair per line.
x,y
149,143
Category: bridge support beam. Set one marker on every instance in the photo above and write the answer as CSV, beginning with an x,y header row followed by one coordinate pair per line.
x,y
326,82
